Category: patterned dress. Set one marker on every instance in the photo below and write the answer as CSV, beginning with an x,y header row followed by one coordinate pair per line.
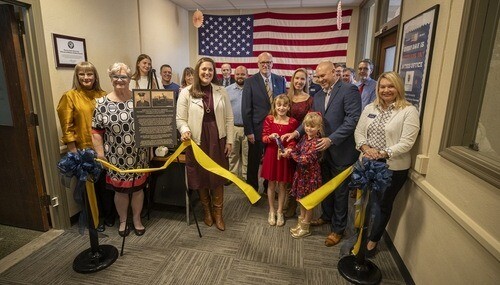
x,y
273,169
307,177
115,121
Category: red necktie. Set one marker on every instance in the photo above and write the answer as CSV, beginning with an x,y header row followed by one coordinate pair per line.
x,y
361,88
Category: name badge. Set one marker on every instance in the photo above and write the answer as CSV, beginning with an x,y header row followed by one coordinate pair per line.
x,y
371,116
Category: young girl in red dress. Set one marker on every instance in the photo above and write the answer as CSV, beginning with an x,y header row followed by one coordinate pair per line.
x,y
276,169
307,177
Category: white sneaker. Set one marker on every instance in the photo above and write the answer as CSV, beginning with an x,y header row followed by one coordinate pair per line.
x,y
271,219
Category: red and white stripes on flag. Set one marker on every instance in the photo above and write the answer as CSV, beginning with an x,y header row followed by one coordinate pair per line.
x,y
294,40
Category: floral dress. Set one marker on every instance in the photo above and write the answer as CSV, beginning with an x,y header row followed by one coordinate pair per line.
x,y
307,177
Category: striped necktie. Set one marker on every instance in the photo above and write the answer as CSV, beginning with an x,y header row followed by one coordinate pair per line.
x,y
269,91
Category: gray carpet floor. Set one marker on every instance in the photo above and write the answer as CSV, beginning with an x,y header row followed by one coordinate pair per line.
x,y
171,252
12,238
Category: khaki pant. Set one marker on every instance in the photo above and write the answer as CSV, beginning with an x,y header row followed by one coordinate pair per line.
x,y
238,159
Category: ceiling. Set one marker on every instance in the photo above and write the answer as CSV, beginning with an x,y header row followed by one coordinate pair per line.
x,y
204,5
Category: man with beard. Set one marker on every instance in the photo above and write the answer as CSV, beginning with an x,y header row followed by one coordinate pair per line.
x,y
238,159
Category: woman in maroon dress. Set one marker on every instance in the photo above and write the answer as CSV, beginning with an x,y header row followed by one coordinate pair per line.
x,y
276,169
204,114
301,104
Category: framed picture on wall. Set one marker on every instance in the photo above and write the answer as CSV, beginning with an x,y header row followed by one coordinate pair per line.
x,y
416,55
69,50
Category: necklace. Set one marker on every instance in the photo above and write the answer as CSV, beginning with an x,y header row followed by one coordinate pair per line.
x,y
207,106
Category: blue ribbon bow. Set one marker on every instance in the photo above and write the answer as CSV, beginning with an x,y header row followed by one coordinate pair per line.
x,y
81,164
371,173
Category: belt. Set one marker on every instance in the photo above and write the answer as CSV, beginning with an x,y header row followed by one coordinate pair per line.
x,y
241,126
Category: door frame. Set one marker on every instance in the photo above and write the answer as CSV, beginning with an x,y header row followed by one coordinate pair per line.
x,y
37,70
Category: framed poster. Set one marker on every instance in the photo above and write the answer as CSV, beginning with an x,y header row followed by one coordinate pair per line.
x,y
154,118
416,54
69,50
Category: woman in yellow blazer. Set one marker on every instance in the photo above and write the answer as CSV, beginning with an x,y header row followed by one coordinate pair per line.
x,y
204,114
75,111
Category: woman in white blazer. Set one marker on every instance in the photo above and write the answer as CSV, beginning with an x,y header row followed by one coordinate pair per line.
x,y
387,130
204,114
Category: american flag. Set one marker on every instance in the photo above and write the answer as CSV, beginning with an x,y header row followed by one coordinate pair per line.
x,y
294,40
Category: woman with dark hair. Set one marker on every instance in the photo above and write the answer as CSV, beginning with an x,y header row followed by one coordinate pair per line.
x,y
301,104
140,79
387,130
204,114
187,77
113,138
75,116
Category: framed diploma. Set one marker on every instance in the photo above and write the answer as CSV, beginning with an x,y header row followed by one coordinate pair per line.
x,y
69,50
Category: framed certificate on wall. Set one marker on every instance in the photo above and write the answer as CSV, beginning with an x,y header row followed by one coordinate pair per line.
x,y
69,50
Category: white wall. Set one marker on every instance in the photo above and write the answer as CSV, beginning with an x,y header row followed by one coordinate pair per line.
x,y
445,224
164,35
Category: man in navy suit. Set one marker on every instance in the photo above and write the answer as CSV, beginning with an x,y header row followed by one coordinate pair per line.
x,y
255,106
340,105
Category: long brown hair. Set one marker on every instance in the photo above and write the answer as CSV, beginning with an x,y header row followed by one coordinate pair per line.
x,y
137,73
196,91
188,70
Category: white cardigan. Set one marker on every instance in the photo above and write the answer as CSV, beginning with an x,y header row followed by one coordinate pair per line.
x,y
190,113
401,131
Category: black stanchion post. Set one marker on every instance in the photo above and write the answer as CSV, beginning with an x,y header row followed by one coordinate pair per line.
x,y
97,257
357,269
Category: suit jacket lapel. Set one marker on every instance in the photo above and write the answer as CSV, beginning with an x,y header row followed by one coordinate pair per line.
x,y
333,93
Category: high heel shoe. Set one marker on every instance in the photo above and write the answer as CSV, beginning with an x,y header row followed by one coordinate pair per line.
x,y
125,232
139,232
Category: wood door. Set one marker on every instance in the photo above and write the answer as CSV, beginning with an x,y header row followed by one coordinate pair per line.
x,y
21,184
386,53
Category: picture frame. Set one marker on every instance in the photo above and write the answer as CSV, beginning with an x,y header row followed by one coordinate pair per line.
x,y
415,55
69,50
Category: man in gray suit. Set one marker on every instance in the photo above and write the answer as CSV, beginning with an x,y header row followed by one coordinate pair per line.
x,y
258,92
340,105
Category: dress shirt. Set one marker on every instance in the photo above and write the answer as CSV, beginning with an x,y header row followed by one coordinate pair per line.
x,y
235,96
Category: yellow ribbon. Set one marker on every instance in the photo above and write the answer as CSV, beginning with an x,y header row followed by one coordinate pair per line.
x,y
312,200
359,218
92,202
204,160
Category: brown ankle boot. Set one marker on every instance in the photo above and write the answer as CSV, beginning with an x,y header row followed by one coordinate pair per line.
x,y
207,208
218,201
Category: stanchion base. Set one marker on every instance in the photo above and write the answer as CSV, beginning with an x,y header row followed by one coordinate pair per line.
x,y
89,262
365,274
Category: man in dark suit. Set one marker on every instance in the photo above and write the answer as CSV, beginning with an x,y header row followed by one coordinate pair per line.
x,y
226,79
258,92
340,105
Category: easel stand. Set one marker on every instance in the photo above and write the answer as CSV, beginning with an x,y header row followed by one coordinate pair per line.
x,y
357,269
97,257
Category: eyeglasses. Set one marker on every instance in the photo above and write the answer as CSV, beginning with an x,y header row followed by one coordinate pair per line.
x,y
266,62
118,77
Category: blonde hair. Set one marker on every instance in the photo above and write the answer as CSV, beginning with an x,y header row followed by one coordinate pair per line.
x,y
86,66
314,119
286,101
395,79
